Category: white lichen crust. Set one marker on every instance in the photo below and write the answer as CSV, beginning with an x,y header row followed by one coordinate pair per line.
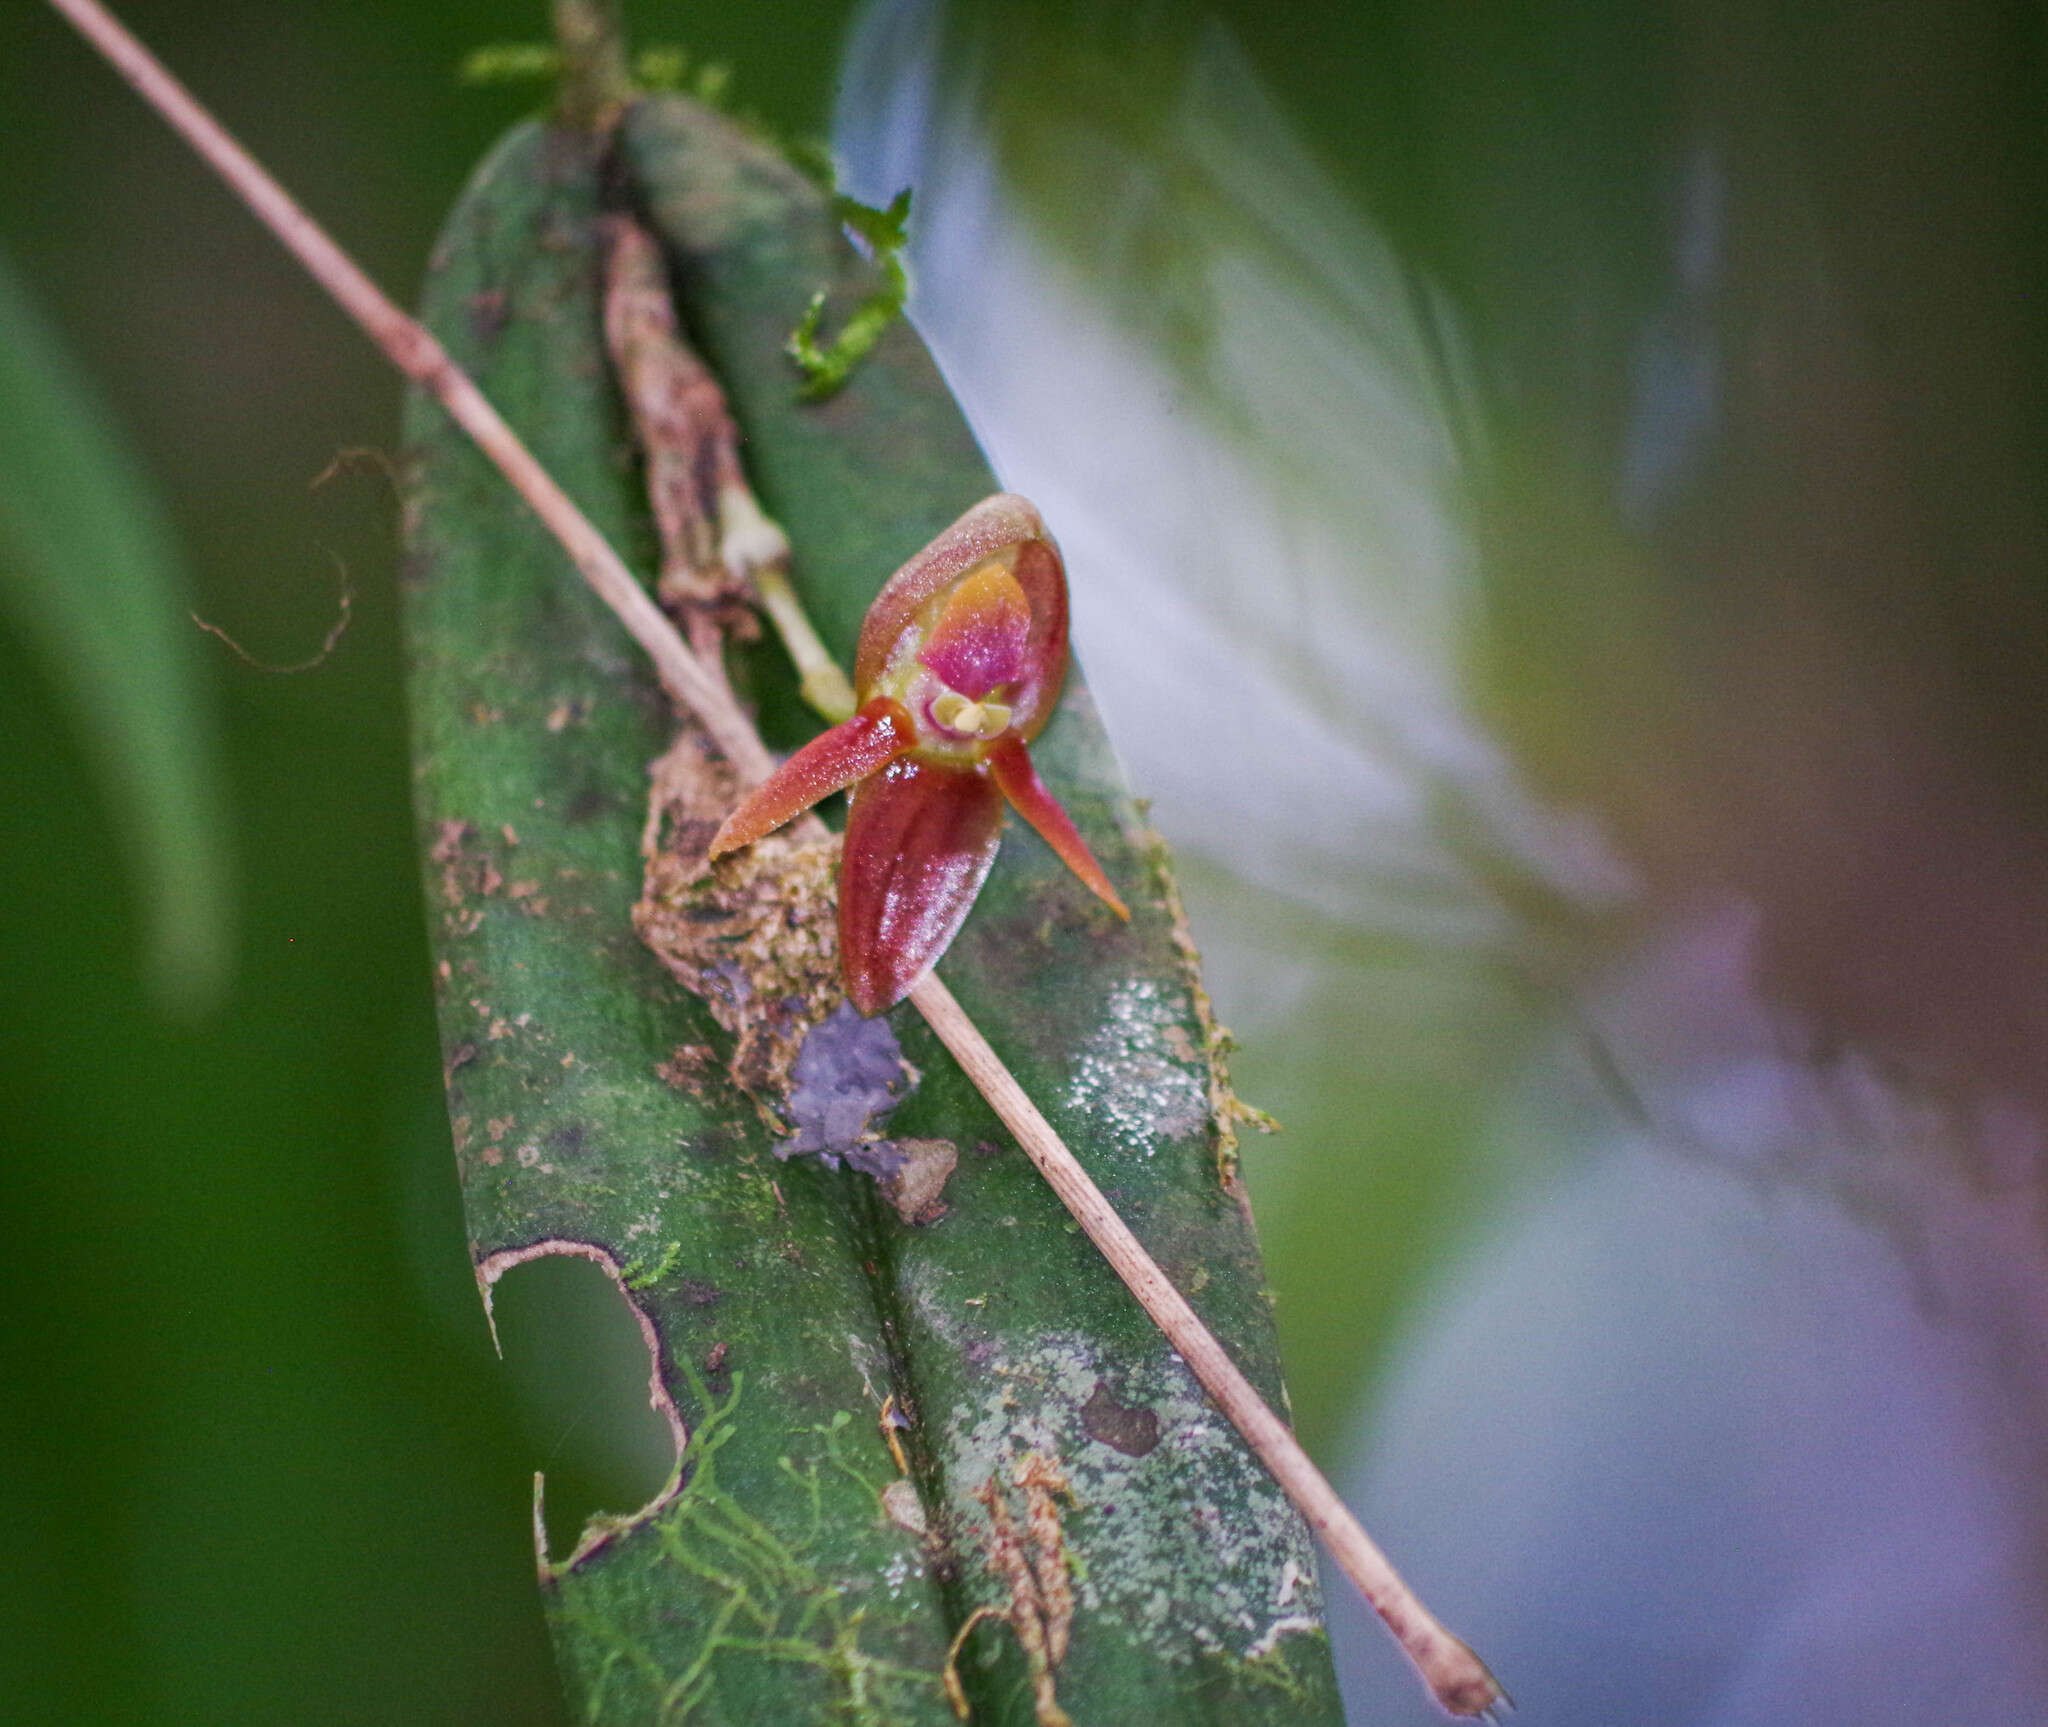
x,y
1190,1546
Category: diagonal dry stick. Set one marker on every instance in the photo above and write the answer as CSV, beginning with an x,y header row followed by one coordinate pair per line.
x,y
1455,1676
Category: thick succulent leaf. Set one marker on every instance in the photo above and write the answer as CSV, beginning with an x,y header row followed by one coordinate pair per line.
x,y
785,1578
88,571
761,1589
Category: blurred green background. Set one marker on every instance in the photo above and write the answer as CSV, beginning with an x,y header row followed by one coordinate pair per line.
x,y
258,1461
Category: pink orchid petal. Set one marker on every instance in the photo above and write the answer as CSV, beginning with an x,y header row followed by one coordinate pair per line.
x,y
830,762
919,841
1010,763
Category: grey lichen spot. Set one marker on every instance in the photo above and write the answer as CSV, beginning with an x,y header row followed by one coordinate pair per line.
x,y
1128,1080
848,1075
1186,1544
881,1158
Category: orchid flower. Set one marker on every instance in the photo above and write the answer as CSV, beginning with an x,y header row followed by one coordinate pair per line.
x,y
960,663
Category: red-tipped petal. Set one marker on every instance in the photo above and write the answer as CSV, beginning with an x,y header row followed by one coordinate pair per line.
x,y
919,841
830,762
1011,764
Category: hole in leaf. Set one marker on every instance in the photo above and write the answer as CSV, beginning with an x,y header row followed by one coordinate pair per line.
x,y
579,1367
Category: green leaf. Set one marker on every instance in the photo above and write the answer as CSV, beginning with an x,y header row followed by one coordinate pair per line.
x,y
796,1573
88,570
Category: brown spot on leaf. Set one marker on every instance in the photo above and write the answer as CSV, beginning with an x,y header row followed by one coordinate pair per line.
x,y
467,872
688,1066
1129,1428
570,1139
915,1185
717,1376
489,311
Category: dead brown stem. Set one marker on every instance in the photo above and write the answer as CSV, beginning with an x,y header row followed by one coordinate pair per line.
x,y
718,545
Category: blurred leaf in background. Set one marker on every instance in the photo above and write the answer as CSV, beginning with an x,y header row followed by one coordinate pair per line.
x,y
88,573
261,1464
1511,464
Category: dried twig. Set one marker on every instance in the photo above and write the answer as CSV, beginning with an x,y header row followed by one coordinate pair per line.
x,y
1457,1677
1453,1673
415,353
717,543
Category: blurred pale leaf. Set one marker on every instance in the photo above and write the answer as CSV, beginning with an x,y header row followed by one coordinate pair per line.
x,y
89,574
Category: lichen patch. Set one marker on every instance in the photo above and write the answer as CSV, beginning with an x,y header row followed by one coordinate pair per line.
x,y
754,934
1190,1543
1127,1079
848,1074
